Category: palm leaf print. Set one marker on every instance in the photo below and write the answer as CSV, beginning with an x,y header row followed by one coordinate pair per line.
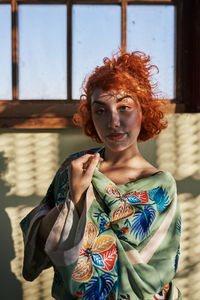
x,y
159,197
178,225
99,287
142,221
176,259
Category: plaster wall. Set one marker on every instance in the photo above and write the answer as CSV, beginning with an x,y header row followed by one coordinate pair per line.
x,y
28,161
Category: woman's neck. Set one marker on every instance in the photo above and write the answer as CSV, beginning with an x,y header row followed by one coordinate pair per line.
x,y
122,157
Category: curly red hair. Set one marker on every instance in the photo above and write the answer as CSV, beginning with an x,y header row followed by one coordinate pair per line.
x,y
130,72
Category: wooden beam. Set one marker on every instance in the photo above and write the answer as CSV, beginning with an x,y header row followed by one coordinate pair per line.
x,y
38,108
120,1
36,123
152,2
91,2
171,107
41,1
51,121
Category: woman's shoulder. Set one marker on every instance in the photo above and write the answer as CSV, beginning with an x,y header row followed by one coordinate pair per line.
x,y
164,180
166,177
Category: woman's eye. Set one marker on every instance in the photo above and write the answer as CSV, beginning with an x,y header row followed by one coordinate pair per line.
x,y
99,111
124,107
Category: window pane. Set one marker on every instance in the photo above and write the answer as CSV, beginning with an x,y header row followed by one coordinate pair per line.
x,y
5,53
96,34
42,52
151,28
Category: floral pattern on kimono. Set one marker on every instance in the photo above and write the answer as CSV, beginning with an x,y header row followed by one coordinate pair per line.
x,y
125,245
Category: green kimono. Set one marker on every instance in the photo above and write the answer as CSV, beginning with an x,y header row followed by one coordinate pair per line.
x,y
125,244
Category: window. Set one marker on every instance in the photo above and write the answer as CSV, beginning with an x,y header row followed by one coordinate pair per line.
x,y
144,34
42,35
49,46
88,50
5,52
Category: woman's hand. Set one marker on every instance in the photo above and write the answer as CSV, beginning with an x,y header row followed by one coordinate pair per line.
x,y
80,176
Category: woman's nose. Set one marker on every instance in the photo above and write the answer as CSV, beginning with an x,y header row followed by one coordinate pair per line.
x,y
114,120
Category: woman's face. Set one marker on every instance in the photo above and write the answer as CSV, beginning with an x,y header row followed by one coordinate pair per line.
x,y
117,118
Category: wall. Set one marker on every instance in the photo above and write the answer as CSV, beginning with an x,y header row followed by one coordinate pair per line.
x,y
28,161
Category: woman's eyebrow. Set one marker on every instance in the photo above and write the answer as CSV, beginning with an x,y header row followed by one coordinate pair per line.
x,y
122,98
98,102
118,100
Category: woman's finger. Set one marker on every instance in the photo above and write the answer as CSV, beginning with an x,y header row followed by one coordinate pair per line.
x,y
86,164
83,159
92,165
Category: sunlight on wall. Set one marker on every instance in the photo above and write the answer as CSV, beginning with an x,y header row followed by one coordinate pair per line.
x,y
178,147
189,265
41,287
178,151
32,161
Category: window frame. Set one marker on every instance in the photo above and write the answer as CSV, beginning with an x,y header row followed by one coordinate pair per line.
x,y
57,113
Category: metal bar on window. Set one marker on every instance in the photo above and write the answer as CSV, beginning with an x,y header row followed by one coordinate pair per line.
x,y
69,50
15,88
190,54
178,46
123,25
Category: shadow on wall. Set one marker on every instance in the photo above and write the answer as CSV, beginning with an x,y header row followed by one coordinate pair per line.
x,y
28,164
33,159
10,286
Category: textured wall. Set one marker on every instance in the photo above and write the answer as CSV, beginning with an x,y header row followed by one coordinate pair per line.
x,y
28,161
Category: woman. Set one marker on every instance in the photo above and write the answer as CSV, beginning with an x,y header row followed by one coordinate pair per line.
x,y
110,222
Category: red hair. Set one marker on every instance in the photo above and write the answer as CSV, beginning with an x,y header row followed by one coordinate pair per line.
x,y
130,72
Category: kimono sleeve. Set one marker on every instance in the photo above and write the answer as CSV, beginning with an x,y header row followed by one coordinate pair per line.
x,y
35,259
65,239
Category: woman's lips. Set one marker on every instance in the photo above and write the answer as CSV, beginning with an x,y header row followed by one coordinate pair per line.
x,y
116,136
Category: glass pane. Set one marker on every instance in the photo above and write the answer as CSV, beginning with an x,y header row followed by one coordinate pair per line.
x,y
42,52
151,28
96,34
5,53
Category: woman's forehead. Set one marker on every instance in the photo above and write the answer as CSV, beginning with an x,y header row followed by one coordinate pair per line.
x,y
112,95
